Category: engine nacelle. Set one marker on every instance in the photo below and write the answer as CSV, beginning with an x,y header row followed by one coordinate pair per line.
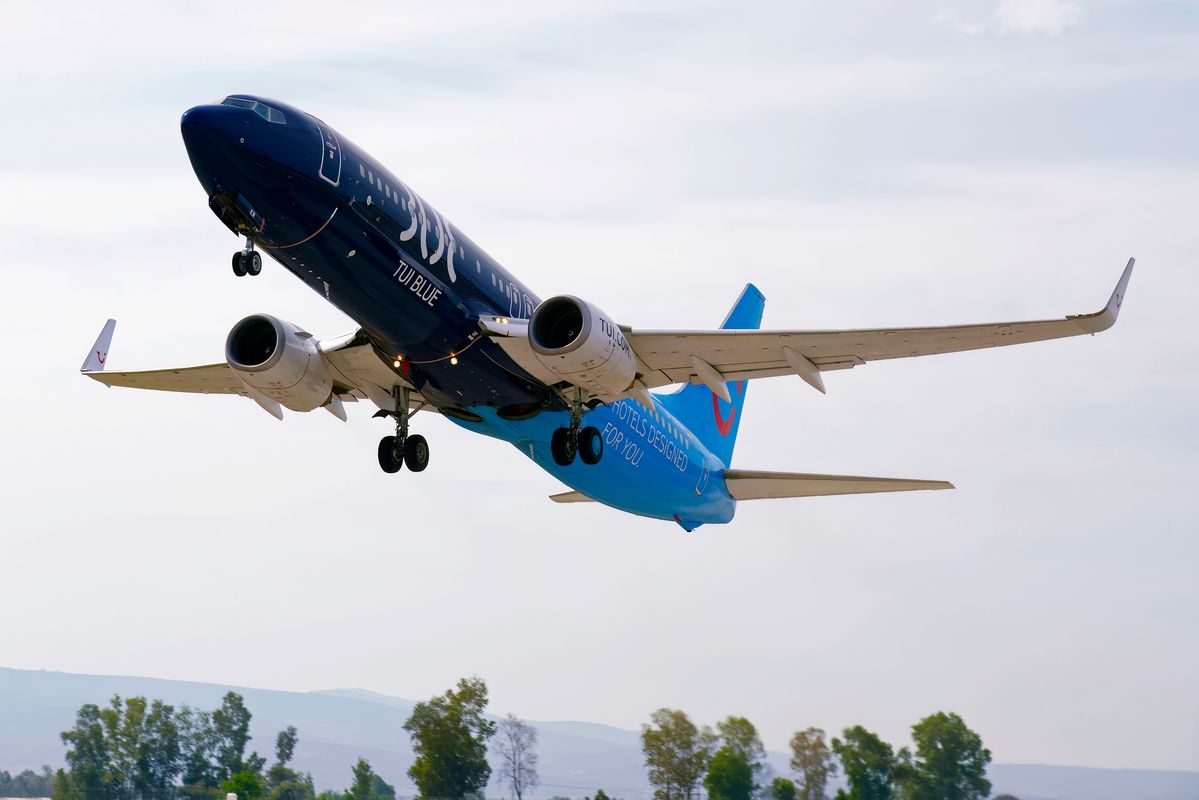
x,y
280,361
579,343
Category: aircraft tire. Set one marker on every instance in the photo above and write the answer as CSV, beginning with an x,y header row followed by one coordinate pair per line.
x,y
388,461
562,448
239,264
591,445
416,453
253,263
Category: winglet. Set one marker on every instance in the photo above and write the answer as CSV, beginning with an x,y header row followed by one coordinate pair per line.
x,y
1102,320
99,353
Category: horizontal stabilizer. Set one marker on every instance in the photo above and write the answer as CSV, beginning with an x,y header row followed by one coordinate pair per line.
x,y
744,484
571,497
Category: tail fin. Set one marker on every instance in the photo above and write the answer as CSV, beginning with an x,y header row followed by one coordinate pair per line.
x,y
714,421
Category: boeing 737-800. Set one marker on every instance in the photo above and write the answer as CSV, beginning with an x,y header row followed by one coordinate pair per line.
x,y
446,328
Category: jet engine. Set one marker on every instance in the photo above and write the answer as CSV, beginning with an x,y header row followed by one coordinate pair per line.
x,y
580,344
280,361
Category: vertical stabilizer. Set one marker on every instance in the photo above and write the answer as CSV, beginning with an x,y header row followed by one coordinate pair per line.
x,y
706,414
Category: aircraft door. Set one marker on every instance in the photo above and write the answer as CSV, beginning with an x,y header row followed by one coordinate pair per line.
x,y
702,483
330,169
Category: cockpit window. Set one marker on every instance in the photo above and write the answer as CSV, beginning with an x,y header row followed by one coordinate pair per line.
x,y
261,109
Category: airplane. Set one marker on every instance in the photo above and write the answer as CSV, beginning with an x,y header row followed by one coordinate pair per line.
x,y
445,328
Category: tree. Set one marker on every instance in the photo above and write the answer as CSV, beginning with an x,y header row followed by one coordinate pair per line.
x,y
730,775
449,737
382,788
198,743
676,753
245,784
27,783
231,733
88,769
950,761
516,744
812,759
782,789
285,745
739,734
869,764
364,782
282,782
128,749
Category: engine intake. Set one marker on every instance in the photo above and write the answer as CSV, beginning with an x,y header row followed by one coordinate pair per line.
x,y
280,360
580,344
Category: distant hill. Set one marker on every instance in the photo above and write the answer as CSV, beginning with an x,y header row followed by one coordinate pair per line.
x,y
339,725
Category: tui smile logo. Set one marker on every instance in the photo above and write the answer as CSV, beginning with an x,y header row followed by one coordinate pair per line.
x,y
724,425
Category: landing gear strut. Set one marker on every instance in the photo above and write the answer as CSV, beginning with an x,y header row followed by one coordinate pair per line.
x,y
586,441
402,449
247,261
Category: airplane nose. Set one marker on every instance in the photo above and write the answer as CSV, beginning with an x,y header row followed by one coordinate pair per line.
x,y
201,127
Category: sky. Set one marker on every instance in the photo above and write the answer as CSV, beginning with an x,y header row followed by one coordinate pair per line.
x,y
864,163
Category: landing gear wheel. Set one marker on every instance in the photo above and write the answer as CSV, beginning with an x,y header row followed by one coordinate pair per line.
x,y
563,447
253,263
239,264
390,460
416,453
591,445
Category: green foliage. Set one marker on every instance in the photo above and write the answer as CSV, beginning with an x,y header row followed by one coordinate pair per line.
x,y
364,782
676,753
950,761
231,733
382,788
139,750
813,760
869,763
782,789
739,734
285,745
246,784
449,737
730,775
27,783
123,751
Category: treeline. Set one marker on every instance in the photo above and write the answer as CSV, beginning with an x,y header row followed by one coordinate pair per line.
x,y
948,762
139,750
27,784
134,750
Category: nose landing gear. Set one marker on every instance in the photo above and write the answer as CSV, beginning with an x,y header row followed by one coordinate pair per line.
x,y
397,451
247,261
586,441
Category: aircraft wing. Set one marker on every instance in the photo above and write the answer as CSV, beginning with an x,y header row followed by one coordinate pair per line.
x,y
358,373
744,484
732,355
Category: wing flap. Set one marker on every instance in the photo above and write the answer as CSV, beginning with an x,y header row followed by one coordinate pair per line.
x,y
206,379
757,485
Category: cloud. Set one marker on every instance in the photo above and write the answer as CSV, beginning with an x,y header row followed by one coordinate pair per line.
x,y
1049,17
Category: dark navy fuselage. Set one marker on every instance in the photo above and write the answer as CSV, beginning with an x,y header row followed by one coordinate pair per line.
x,y
356,233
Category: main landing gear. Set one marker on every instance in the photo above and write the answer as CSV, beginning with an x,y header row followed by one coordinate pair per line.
x,y
586,441
247,261
402,449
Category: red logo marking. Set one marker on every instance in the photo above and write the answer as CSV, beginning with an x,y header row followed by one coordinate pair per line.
x,y
101,356
1119,300
725,425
